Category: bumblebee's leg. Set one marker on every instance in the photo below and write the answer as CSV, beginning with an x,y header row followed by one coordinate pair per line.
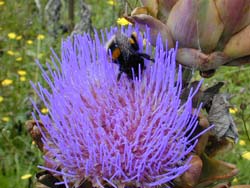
x,y
146,56
119,76
115,61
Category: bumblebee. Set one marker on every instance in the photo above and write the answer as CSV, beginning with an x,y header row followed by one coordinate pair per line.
x,y
125,53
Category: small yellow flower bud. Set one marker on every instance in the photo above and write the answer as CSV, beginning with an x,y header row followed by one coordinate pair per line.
x,y
233,110
246,155
40,37
26,176
10,52
19,37
12,35
7,82
29,42
111,2
242,142
235,180
44,110
22,78
5,119
19,59
21,72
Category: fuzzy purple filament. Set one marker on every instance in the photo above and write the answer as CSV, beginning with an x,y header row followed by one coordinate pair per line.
x,y
131,131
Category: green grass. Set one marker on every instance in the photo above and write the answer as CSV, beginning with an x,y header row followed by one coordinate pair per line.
x,y
18,156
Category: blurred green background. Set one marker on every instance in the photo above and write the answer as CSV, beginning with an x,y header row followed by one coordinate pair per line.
x,y
25,37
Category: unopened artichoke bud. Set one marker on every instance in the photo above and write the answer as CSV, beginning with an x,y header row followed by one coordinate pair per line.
x,y
213,33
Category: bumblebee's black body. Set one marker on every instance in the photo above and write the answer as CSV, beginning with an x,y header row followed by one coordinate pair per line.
x,y
125,53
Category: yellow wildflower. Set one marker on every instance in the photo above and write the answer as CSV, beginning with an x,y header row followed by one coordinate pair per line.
x,y
40,37
235,180
5,119
44,110
29,42
233,110
33,142
111,2
1,99
10,52
19,59
7,82
246,155
242,142
2,3
12,35
122,21
26,176
19,37
22,78
21,72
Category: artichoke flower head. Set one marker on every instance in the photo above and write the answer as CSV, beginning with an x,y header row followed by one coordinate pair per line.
x,y
131,132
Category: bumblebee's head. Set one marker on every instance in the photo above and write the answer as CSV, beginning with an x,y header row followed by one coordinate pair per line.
x,y
121,44
113,46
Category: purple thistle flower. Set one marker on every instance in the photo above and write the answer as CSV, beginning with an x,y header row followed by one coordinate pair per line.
x,y
131,131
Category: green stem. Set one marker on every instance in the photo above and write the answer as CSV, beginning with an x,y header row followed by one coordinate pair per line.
x,y
244,124
17,166
37,69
